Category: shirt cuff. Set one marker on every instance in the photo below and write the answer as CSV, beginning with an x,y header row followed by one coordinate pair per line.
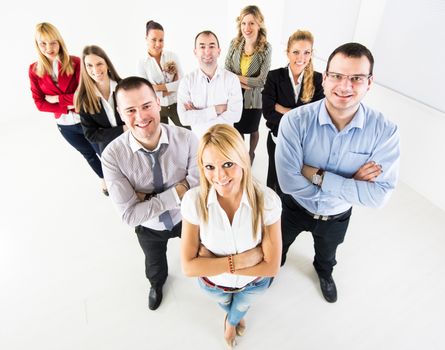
x,y
332,183
175,193
170,199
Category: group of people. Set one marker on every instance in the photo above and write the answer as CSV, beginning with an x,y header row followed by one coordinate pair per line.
x,y
327,151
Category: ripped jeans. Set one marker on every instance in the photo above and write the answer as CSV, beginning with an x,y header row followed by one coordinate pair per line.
x,y
236,304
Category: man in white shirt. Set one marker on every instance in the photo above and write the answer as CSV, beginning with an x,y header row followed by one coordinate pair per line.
x,y
209,95
147,170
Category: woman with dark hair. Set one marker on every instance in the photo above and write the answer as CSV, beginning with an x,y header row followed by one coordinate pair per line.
x,y
287,88
161,68
95,100
249,58
54,79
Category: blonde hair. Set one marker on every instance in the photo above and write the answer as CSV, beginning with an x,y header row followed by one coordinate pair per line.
x,y
228,142
49,32
261,42
308,79
85,97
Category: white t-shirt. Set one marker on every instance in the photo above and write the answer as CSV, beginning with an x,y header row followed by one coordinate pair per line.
x,y
224,239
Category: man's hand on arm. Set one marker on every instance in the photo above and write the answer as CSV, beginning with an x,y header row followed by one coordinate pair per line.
x,y
308,171
368,172
220,109
189,106
181,188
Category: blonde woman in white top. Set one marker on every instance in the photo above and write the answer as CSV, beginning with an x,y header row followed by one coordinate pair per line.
x,y
161,68
231,228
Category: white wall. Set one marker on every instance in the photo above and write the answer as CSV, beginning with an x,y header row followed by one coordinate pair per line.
x,y
120,29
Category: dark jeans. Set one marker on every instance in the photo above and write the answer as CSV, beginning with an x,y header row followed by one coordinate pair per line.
x,y
327,234
75,137
172,113
272,180
154,245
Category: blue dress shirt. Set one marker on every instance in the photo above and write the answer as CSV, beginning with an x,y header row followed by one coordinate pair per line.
x,y
308,136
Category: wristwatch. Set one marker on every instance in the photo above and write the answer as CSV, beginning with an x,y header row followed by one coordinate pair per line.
x,y
317,178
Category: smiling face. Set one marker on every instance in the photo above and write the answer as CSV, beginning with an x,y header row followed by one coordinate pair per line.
x,y
155,42
299,55
343,97
140,109
96,68
48,47
207,51
249,28
225,175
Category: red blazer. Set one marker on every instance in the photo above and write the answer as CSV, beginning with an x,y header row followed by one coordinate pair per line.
x,y
67,85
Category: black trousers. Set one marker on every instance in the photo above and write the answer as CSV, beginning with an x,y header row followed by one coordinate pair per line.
x,y
328,235
272,180
154,245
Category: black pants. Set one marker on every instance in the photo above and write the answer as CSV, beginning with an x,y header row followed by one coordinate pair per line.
x,y
328,235
75,137
154,245
272,180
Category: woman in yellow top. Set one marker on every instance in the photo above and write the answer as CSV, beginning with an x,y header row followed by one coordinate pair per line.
x,y
249,58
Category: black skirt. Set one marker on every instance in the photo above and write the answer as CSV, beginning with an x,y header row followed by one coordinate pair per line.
x,y
250,121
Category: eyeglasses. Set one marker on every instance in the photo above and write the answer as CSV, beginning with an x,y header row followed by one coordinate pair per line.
x,y
356,79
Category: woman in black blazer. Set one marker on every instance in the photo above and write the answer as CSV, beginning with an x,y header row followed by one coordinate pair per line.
x,y
95,100
287,88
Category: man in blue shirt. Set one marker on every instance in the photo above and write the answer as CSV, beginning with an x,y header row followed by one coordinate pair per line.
x,y
332,154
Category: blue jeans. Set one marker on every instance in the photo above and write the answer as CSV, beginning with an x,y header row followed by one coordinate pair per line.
x,y
75,137
236,304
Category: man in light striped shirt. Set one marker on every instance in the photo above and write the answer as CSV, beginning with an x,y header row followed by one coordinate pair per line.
x,y
147,170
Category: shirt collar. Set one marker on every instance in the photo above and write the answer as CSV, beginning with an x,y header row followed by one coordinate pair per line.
x,y
356,122
202,75
136,146
213,199
113,85
300,78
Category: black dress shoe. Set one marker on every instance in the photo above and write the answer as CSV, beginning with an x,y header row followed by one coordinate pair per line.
x,y
328,289
154,298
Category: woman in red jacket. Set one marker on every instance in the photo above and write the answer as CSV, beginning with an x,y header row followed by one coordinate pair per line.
x,y
54,79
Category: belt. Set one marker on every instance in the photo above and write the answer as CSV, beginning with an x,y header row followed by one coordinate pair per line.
x,y
318,216
209,283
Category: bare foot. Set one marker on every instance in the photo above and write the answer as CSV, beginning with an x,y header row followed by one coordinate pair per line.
x,y
229,334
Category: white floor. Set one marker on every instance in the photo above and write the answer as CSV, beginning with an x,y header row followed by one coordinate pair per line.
x,y
72,275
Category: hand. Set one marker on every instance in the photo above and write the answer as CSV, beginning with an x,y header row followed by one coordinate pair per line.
x,y
181,188
308,171
245,87
189,106
141,196
52,98
220,108
368,172
203,252
242,79
248,258
159,87
280,109
166,93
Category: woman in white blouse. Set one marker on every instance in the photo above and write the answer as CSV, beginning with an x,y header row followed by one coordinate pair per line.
x,y
95,100
231,231
161,68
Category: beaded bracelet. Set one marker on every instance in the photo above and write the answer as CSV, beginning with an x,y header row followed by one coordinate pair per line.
x,y
231,263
